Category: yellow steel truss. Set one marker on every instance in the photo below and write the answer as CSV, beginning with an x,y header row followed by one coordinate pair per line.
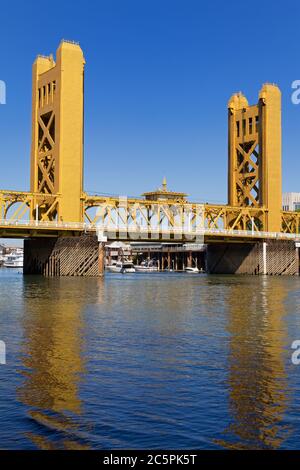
x,y
18,205
290,222
115,212
165,216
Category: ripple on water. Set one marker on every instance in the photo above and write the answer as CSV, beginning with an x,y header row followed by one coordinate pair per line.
x,y
149,361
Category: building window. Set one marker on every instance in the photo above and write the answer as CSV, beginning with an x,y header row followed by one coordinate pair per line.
x,y
296,206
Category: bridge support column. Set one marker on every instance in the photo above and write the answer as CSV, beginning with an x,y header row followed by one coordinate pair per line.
x,y
64,256
269,257
264,258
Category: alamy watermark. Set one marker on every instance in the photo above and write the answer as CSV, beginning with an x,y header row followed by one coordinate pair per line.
x,y
2,353
296,354
2,92
143,220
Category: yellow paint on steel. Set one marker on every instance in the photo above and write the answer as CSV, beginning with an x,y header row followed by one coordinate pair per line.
x,y
57,132
254,154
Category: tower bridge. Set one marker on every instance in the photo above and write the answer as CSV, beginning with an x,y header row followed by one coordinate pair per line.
x,y
65,228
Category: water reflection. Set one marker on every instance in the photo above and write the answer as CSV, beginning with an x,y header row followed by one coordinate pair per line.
x,y
119,362
257,380
53,345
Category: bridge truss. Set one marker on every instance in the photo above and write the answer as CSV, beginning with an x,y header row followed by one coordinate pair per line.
x,y
135,216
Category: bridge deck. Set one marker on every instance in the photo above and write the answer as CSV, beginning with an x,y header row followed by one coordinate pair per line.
x,y
26,229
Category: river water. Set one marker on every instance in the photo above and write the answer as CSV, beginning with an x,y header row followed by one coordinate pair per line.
x,y
149,361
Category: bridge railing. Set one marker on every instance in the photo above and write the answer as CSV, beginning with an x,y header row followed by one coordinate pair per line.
x,y
46,224
136,232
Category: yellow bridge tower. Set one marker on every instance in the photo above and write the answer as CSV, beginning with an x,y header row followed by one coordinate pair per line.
x,y
57,133
254,154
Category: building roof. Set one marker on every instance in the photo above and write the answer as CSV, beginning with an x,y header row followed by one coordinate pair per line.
x,y
118,244
163,193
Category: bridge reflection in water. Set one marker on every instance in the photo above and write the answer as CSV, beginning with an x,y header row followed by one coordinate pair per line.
x,y
53,360
188,366
257,380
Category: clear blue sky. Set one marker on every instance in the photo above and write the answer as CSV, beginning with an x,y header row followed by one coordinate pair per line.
x,y
158,77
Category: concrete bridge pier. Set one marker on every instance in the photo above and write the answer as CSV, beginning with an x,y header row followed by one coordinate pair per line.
x,y
272,257
64,256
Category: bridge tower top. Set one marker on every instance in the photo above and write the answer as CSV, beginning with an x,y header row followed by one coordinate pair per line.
x,y
57,132
254,153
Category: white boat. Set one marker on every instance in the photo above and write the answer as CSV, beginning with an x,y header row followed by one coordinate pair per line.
x,y
13,261
192,270
121,267
145,267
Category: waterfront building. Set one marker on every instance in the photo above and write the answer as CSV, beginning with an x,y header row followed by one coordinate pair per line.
x,y
291,201
117,251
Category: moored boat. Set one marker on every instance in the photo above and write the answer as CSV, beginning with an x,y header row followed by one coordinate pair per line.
x,y
146,267
121,267
13,261
191,270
